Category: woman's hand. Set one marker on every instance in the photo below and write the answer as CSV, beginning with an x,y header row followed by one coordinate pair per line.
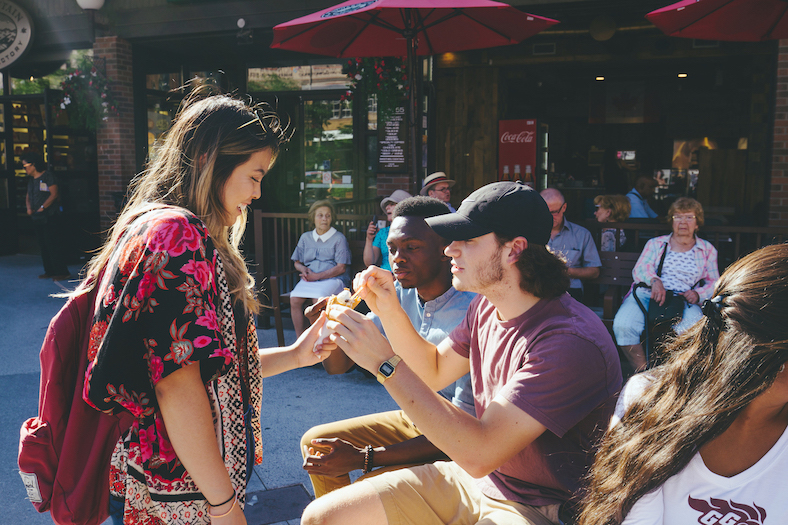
x,y
372,230
333,457
308,275
376,287
691,296
308,349
658,291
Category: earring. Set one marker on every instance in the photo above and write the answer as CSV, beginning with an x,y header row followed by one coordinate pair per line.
x,y
782,369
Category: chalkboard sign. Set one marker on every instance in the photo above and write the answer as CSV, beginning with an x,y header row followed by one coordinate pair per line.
x,y
393,143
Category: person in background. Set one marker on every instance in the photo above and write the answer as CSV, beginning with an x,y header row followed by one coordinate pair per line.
x,y
681,262
544,370
43,205
435,308
376,250
438,185
322,256
573,242
639,196
173,339
611,208
702,438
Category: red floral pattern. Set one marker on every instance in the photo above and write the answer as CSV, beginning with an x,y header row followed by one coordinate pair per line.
x,y
164,318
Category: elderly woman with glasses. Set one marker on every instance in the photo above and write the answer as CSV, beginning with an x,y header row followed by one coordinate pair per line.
x,y
681,262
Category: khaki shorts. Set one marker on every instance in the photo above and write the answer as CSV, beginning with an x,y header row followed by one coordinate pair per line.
x,y
443,493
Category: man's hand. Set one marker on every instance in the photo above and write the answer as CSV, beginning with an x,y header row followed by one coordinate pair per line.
x,y
376,287
312,311
658,291
332,457
691,296
358,337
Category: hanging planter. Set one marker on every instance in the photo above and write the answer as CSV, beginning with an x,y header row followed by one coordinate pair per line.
x,y
384,77
87,97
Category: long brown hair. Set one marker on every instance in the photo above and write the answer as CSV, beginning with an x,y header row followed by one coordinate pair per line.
x,y
209,138
713,371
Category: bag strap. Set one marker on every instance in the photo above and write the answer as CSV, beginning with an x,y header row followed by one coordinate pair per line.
x,y
662,260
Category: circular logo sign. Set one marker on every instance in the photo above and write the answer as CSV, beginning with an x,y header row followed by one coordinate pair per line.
x,y
339,11
16,32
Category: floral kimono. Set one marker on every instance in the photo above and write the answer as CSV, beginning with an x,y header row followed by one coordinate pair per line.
x,y
164,303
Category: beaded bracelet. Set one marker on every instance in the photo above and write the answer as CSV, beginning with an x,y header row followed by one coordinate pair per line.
x,y
368,452
234,500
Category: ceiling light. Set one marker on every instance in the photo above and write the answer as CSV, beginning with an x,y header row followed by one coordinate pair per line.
x,y
682,75
600,78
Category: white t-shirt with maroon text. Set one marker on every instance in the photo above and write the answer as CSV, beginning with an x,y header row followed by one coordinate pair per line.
x,y
696,495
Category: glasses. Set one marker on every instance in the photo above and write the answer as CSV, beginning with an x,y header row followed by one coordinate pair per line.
x,y
683,218
444,189
559,210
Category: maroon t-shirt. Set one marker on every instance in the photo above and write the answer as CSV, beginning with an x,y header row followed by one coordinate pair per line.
x,y
557,362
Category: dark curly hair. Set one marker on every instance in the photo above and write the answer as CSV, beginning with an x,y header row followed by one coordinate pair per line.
x,y
542,272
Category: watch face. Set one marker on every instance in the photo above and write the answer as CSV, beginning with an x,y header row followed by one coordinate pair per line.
x,y
386,369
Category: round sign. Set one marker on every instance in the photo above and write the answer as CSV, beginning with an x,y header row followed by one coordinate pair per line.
x,y
339,11
16,32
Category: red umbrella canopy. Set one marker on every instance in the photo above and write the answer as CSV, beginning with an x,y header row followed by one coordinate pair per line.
x,y
735,20
359,28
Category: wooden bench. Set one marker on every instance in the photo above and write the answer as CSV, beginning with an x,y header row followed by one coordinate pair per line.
x,y
616,273
280,300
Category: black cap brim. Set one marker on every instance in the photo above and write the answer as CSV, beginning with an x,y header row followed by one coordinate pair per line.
x,y
456,227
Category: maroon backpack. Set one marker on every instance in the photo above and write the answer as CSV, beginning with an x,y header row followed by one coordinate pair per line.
x,y
65,452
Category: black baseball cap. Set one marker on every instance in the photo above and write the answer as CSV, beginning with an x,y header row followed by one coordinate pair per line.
x,y
509,209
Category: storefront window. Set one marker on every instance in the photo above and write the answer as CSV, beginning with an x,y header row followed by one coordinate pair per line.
x,y
164,81
328,150
297,78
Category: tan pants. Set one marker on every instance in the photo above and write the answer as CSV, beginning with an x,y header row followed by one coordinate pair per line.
x,y
442,493
379,430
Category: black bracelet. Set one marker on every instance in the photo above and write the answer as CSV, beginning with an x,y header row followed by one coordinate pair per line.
x,y
228,500
368,453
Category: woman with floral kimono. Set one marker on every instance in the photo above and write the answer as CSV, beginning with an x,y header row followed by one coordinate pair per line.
x,y
173,339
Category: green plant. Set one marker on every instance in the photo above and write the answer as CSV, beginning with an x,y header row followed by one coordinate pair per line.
x,y
87,96
384,77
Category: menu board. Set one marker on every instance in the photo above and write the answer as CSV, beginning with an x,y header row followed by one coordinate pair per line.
x,y
392,143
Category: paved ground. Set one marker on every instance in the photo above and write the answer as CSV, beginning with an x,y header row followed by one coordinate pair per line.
x,y
292,402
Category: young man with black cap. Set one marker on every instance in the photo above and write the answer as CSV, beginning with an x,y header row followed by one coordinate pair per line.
x,y
544,371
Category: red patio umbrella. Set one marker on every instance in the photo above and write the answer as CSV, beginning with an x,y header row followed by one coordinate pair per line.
x,y
372,28
734,20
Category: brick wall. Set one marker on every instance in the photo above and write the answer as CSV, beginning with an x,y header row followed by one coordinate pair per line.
x,y
388,183
778,196
115,136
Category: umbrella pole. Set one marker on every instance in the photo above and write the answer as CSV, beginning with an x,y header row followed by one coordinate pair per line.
x,y
412,101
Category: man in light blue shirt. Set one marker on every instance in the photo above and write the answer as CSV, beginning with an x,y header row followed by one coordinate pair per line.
x,y
638,198
435,308
574,242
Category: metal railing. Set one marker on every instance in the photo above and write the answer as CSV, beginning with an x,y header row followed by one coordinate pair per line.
x,y
732,242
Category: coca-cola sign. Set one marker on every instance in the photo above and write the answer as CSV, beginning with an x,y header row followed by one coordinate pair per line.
x,y
517,138
517,150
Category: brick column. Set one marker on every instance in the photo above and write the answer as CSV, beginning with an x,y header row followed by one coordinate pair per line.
x,y
115,136
778,195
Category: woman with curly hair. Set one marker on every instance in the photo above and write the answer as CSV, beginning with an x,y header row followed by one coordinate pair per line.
x,y
702,438
173,340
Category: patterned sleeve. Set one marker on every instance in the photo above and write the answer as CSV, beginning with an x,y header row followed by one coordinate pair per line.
x,y
710,272
159,313
646,267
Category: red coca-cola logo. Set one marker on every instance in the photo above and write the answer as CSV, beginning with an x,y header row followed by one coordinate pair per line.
x,y
517,138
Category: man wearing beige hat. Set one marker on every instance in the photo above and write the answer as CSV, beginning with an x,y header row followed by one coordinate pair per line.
x,y
438,185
